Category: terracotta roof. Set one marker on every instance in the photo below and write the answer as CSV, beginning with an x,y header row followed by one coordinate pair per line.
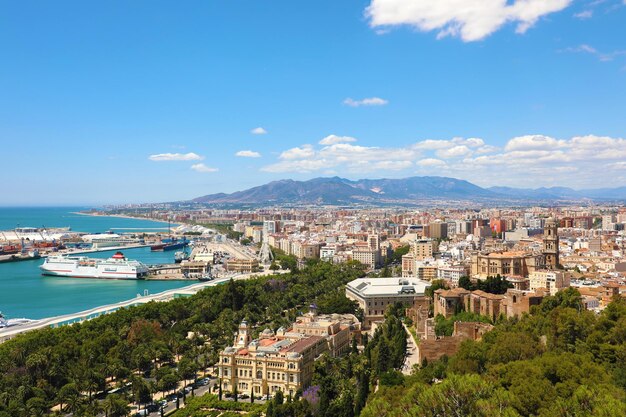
x,y
303,344
455,292
484,294
267,342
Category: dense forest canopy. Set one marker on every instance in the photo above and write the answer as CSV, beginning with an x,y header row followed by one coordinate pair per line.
x,y
148,346
560,360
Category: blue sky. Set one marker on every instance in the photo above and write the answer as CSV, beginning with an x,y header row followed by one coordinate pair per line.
x,y
113,102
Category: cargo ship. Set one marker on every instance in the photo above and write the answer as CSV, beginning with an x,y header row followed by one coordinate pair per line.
x,y
170,244
116,267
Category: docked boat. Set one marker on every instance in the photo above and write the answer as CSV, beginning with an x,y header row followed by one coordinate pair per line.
x,y
170,244
9,249
181,256
116,267
108,240
207,276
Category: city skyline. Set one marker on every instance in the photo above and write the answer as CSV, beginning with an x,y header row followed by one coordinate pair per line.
x,y
207,98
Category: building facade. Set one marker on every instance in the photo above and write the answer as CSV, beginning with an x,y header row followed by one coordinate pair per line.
x,y
375,295
553,281
271,363
505,264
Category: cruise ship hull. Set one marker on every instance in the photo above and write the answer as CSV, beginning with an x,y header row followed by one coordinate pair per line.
x,y
116,267
89,274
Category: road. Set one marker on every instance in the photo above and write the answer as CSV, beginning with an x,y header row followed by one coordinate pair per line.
x,y
411,353
171,406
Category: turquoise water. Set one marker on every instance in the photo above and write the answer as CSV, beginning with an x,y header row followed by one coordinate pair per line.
x,y
24,292
12,217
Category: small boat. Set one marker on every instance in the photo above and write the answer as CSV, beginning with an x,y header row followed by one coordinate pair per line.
x,y
181,256
207,276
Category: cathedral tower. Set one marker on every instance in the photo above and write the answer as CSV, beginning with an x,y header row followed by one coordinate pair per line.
x,y
551,243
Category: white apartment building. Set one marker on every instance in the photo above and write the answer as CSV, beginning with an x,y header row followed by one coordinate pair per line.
x,y
550,280
452,273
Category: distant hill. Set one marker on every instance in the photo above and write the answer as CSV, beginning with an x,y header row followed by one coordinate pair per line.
x,y
562,193
336,190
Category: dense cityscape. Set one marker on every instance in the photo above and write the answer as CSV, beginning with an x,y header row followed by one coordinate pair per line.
x,y
408,297
382,208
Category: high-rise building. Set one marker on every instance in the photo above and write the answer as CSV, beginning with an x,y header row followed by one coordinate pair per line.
x,y
551,243
438,230
608,222
373,241
269,226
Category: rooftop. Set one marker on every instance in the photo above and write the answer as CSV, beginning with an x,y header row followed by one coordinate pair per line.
x,y
371,287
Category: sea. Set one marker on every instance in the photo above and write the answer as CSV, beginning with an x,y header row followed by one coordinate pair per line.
x,y
25,293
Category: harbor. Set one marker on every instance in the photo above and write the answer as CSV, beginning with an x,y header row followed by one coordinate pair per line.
x,y
24,292
27,293
24,325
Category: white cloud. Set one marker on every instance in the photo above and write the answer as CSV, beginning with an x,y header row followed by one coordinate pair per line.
x,y
523,161
392,165
528,142
248,154
431,162
434,144
203,168
455,151
333,139
301,166
304,151
585,14
471,20
371,101
602,56
176,157
339,154
258,131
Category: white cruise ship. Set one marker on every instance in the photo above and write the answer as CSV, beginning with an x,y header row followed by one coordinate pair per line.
x,y
116,267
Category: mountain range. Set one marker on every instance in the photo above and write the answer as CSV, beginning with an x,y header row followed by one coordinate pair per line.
x,y
336,190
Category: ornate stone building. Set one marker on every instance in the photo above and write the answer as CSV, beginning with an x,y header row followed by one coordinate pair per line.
x,y
551,243
506,264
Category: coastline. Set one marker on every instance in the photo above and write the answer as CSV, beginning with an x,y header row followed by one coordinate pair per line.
x,y
71,318
123,216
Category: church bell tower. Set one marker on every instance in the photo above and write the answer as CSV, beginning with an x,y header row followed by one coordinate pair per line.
x,y
551,243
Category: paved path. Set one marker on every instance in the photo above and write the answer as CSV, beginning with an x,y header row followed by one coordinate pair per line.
x,y
411,353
